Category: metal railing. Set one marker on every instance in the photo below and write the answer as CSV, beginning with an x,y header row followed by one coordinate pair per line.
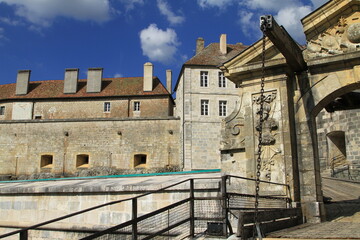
x,y
192,213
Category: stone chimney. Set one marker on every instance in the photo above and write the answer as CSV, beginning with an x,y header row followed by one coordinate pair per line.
x,y
22,82
148,77
169,81
94,80
71,80
199,45
223,45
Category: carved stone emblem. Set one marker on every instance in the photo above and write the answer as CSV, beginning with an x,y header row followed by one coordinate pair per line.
x,y
269,124
341,38
269,130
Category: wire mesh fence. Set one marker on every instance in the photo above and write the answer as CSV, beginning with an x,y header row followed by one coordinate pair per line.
x,y
180,210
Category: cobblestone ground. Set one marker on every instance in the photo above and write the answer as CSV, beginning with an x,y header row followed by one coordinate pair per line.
x,y
343,215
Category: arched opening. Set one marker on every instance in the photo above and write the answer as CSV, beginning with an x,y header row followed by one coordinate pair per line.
x,y
82,161
140,160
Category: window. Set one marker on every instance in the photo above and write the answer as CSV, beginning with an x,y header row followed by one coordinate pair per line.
x,y
204,107
222,80
106,107
204,78
136,106
82,161
46,161
2,110
222,108
140,161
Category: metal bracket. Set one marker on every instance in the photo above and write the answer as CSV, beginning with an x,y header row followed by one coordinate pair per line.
x,y
266,22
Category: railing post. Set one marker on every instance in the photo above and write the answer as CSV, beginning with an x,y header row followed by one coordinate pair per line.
x,y
240,228
224,203
24,235
192,209
134,218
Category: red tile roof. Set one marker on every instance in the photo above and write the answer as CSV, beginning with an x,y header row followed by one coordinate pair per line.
x,y
111,87
211,55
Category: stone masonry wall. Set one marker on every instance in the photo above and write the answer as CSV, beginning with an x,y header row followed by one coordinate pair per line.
x,y
201,133
347,122
110,143
93,108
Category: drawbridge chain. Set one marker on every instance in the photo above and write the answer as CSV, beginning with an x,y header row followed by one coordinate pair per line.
x,y
265,22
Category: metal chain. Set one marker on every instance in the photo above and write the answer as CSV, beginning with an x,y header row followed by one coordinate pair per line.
x,y
261,120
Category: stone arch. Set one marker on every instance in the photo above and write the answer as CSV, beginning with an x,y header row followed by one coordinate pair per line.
x,y
314,97
322,92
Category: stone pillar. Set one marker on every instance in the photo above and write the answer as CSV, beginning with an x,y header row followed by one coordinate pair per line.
x,y
223,45
71,80
199,45
309,167
22,82
148,77
169,81
94,80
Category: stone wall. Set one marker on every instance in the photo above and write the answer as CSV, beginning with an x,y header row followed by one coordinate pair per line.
x,y
339,142
106,142
154,106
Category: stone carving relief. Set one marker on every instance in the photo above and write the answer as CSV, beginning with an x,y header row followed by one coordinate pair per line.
x,y
341,38
232,136
270,147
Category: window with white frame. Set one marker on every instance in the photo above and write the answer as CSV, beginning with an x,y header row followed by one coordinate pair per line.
x,y
222,108
2,110
204,79
137,106
106,106
204,107
222,80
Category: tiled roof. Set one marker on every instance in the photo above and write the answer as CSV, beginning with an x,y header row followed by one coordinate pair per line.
x,y
211,55
111,87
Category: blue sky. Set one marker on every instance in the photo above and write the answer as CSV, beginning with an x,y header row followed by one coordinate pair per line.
x,y
48,36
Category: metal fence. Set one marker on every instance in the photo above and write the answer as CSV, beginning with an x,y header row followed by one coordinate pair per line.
x,y
199,208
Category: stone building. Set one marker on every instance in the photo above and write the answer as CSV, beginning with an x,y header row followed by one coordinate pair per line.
x,y
204,97
299,84
64,126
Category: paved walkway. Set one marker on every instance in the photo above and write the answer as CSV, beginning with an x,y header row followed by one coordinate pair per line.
x,y
343,215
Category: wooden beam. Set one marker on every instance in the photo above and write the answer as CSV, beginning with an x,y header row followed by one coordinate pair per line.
x,y
284,43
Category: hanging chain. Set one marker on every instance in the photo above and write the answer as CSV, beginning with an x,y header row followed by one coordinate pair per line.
x,y
260,128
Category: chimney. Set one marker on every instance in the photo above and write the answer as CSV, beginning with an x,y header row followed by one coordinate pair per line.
x,y
94,80
199,45
22,82
148,77
169,81
71,80
223,45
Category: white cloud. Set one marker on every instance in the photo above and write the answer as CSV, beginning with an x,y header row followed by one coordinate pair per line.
x,y
159,45
170,15
246,22
10,22
130,4
2,36
290,19
118,75
269,5
43,12
286,12
215,3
